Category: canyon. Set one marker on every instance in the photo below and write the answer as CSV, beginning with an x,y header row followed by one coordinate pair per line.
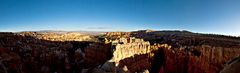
x,y
144,51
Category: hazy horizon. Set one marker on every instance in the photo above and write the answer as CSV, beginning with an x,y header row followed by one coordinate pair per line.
x,y
200,16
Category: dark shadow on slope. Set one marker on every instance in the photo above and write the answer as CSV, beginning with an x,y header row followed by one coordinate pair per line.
x,y
158,61
26,54
138,63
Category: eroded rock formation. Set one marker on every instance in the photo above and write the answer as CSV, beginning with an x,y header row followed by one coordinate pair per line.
x,y
27,54
150,51
197,59
128,47
132,53
190,52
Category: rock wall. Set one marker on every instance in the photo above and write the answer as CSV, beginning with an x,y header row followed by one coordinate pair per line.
x,y
129,49
190,52
131,55
194,59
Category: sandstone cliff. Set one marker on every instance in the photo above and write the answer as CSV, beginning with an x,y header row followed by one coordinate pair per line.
x,y
190,52
131,55
196,59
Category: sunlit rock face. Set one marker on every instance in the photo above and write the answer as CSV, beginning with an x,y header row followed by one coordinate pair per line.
x,y
131,54
129,47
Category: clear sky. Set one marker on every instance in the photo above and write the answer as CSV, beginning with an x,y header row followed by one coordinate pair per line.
x,y
205,16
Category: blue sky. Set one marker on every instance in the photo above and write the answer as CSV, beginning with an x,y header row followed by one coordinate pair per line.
x,y
204,16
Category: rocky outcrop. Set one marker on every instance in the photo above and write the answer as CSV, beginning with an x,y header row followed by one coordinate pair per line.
x,y
132,53
129,48
190,52
196,59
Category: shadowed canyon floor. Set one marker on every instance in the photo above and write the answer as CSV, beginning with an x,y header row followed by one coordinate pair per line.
x,y
142,51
